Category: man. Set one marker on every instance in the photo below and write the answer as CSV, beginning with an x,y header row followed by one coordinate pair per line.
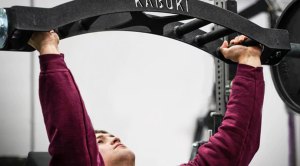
x,y
73,141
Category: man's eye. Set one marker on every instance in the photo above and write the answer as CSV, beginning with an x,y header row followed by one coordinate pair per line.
x,y
100,141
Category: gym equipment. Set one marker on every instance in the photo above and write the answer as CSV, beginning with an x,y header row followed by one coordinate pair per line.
x,y
38,159
3,27
86,16
81,17
286,75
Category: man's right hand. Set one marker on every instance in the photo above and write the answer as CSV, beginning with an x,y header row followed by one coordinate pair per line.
x,y
45,42
241,54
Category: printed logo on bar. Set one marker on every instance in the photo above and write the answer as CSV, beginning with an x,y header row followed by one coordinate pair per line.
x,y
179,5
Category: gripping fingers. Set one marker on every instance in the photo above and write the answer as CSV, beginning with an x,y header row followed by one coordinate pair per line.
x,y
238,40
242,38
224,49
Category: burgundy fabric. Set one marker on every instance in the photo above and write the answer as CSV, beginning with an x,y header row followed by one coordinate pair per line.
x,y
69,129
238,137
72,138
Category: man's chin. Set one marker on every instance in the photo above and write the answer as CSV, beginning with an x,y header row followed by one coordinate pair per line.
x,y
120,156
126,153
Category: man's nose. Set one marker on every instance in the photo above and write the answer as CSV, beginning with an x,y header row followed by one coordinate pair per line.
x,y
115,140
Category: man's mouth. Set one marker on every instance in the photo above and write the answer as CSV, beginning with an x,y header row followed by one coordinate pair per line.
x,y
119,146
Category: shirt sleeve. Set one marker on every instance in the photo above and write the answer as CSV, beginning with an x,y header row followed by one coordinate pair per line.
x,y
70,132
238,137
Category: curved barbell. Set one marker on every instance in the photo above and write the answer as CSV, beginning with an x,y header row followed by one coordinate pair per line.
x,y
86,16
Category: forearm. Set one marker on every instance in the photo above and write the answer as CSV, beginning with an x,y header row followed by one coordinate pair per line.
x,y
238,137
49,49
69,129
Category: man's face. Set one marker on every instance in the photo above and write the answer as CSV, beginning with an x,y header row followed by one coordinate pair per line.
x,y
113,151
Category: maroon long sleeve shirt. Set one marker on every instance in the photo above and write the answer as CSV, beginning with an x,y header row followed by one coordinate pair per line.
x,y
72,138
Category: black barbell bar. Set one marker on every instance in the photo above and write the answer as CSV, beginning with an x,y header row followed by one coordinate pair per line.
x,y
294,52
189,27
212,35
86,23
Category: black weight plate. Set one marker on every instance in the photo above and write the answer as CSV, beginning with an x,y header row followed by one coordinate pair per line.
x,y
286,75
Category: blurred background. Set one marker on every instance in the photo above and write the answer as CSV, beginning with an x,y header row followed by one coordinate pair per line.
x,y
146,89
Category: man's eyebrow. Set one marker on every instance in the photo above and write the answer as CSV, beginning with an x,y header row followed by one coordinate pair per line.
x,y
101,136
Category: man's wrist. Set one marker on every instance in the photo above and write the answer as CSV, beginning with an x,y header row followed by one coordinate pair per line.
x,y
48,49
250,60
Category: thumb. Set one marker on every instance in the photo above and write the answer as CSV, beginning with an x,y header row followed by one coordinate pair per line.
x,y
225,44
224,48
31,43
